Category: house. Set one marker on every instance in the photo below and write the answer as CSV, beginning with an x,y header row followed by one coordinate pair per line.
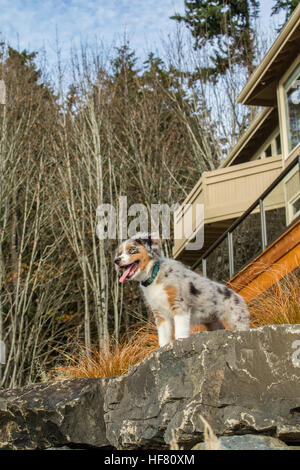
x,y
251,203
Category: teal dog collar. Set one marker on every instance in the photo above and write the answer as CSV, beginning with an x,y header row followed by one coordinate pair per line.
x,y
153,276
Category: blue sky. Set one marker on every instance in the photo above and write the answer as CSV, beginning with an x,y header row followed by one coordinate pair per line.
x,y
32,24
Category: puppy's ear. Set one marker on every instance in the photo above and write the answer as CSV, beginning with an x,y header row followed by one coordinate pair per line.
x,y
154,243
150,241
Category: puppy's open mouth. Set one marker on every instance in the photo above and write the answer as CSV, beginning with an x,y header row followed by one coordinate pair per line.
x,y
129,271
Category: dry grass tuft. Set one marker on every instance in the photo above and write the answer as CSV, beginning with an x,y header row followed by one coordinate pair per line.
x,y
210,439
278,305
114,359
173,443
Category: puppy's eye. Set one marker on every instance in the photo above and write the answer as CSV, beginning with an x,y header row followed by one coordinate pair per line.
x,y
132,251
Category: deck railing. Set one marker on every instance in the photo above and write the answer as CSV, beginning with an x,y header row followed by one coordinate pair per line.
x,y
267,218
222,193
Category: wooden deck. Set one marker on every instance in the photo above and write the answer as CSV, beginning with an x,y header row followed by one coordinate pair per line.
x,y
226,193
276,261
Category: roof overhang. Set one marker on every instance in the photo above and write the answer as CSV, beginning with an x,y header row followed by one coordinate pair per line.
x,y
260,89
253,138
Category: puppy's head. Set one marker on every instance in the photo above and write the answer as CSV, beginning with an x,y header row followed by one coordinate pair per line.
x,y
135,257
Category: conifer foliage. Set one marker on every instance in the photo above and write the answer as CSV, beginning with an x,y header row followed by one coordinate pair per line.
x,y
226,26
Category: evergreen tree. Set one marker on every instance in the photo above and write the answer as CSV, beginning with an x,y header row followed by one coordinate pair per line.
x,y
169,79
124,66
154,69
226,26
28,94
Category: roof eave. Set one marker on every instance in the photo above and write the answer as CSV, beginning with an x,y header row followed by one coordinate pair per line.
x,y
245,97
246,136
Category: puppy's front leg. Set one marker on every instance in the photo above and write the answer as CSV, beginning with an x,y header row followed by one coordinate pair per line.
x,y
164,329
179,312
182,324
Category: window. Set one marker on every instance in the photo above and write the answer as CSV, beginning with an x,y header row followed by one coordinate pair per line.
x,y
271,147
292,104
292,191
296,207
268,151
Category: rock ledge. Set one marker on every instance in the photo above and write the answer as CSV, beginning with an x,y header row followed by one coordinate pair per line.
x,y
241,382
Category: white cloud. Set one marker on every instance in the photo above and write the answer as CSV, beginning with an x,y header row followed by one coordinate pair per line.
x,y
33,23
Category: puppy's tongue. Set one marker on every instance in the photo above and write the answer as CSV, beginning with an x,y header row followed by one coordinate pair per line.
x,y
127,272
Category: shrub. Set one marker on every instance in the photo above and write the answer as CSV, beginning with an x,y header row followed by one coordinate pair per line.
x,y
112,360
280,304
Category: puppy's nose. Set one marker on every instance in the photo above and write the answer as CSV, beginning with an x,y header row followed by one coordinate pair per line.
x,y
117,260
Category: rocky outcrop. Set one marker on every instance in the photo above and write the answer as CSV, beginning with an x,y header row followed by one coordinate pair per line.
x,y
53,414
240,382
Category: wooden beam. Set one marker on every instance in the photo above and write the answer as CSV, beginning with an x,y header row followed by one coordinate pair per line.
x,y
277,260
284,266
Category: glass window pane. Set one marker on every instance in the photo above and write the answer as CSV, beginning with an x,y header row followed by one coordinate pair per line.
x,y
292,97
296,206
292,194
247,240
275,214
269,151
217,263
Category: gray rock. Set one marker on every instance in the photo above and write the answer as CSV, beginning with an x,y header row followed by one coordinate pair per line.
x,y
246,442
60,448
64,448
53,414
241,383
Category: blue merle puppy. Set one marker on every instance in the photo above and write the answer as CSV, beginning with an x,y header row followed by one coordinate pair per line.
x,y
176,295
